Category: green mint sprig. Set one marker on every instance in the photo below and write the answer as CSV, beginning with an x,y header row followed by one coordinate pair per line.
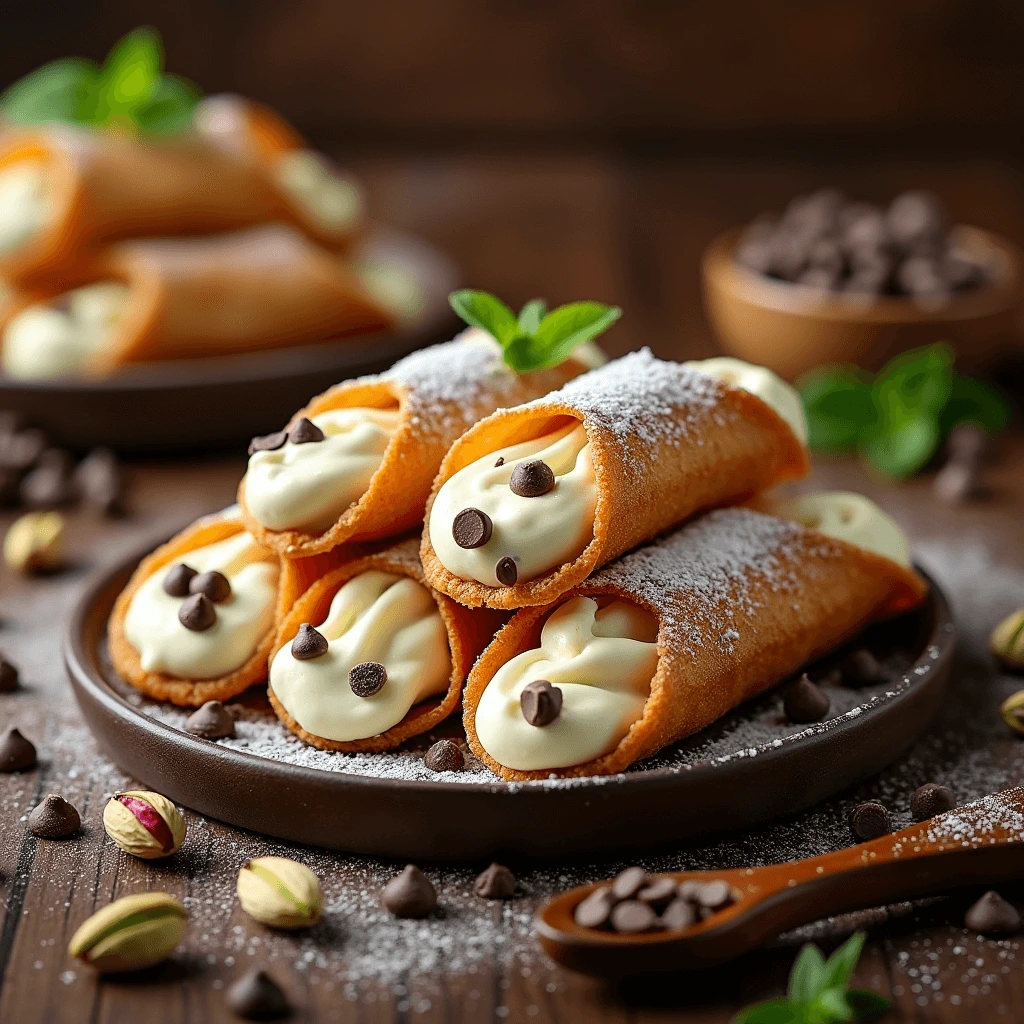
x,y
898,418
536,339
818,992
129,90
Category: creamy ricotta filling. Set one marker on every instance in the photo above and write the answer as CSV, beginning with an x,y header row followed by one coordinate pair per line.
x,y
603,661
375,617
26,204
330,201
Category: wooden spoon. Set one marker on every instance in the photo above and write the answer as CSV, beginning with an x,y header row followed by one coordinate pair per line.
x,y
981,843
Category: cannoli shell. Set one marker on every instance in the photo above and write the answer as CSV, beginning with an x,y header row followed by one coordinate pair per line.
x,y
666,442
267,287
440,392
111,185
469,632
195,692
743,600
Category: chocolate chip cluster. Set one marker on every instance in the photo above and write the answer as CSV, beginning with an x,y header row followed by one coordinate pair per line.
x,y
826,241
37,475
305,431
638,902
201,591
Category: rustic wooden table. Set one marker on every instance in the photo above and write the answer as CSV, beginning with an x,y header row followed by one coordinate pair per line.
x,y
629,232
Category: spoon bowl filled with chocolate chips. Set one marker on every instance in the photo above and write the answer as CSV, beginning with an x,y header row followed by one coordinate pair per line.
x,y
837,281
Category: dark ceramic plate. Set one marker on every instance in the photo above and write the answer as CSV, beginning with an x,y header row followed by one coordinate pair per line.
x,y
202,403
719,778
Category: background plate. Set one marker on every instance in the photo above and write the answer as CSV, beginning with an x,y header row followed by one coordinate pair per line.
x,y
719,779
202,403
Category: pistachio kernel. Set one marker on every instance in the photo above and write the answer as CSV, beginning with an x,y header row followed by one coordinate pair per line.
x,y
1007,640
144,824
132,933
33,542
280,892
1012,710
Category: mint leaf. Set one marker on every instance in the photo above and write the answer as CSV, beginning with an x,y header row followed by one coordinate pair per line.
x,y
569,326
902,450
486,311
531,315
829,1007
171,107
807,978
775,1011
524,355
839,407
129,76
63,90
866,1005
973,401
919,380
841,963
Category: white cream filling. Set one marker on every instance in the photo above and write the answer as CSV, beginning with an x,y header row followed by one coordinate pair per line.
x,y
540,533
603,661
376,616
56,339
329,201
849,517
165,645
759,381
26,204
308,486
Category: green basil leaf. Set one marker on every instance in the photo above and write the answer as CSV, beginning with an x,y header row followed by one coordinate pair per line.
x,y
775,1011
486,311
569,326
830,1006
531,315
171,107
919,380
973,401
841,963
866,1005
131,71
60,91
807,978
901,450
839,407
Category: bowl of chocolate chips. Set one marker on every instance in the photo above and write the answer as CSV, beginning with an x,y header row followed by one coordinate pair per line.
x,y
832,280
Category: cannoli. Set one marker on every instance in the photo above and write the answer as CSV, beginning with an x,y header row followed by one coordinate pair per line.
x,y
530,501
157,299
196,622
65,191
662,642
329,203
357,463
370,656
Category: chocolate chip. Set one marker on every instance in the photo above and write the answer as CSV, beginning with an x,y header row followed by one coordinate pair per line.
x,y
921,276
541,702
54,818
957,481
595,910
212,721
8,675
471,528
660,892
16,752
305,432
628,883
870,820
861,668
632,916
20,451
49,485
992,915
197,613
805,702
500,462
495,883
409,894
367,678
507,571
213,584
914,217
931,799
531,479
713,895
256,996
178,577
268,442
678,914
444,756
99,480
309,643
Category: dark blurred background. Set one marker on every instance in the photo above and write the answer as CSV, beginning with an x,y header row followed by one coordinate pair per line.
x,y
592,149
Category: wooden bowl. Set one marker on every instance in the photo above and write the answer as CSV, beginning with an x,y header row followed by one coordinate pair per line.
x,y
791,328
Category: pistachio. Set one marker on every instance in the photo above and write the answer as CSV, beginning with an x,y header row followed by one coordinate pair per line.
x,y
33,542
144,824
132,933
280,892
1012,710
1007,641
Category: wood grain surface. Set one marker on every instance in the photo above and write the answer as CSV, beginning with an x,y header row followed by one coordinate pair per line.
x,y
563,226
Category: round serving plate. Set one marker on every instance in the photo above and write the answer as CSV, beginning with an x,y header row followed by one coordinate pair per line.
x,y
223,400
748,767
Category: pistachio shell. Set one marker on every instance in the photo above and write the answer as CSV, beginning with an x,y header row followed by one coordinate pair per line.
x,y
1007,640
280,892
132,933
129,832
